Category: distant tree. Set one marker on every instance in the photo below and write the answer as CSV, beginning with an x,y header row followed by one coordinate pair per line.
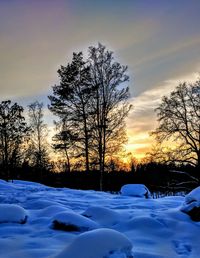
x,y
64,141
13,130
39,132
179,121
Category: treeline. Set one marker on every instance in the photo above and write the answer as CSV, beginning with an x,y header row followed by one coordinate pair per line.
x,y
22,142
159,178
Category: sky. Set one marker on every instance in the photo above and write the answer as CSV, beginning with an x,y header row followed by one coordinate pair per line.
x,y
159,40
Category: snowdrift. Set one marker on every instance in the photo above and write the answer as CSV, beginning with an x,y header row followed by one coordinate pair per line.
x,y
95,224
191,205
135,190
99,243
70,221
12,213
102,215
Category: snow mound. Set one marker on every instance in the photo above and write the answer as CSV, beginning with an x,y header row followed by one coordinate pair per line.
x,y
70,221
12,213
99,243
52,210
28,183
103,216
144,223
40,204
191,205
5,185
135,190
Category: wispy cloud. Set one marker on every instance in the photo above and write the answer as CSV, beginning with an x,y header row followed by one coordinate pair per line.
x,y
142,119
158,40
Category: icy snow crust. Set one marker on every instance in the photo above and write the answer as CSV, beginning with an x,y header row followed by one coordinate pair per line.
x,y
111,226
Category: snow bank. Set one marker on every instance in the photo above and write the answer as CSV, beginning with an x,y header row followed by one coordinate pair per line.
x,y
52,210
40,204
191,205
103,216
70,221
135,190
5,185
144,223
99,243
12,213
157,228
28,183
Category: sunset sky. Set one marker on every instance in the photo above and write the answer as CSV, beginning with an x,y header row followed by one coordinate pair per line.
x,y
159,41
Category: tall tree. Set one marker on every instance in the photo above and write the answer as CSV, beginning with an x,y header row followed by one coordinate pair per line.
x,y
179,121
109,103
13,129
38,135
70,101
92,98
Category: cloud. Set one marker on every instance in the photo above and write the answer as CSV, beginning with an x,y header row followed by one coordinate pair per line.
x,y
142,119
156,40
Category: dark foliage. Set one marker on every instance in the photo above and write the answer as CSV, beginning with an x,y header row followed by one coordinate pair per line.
x,y
13,130
65,227
195,214
160,179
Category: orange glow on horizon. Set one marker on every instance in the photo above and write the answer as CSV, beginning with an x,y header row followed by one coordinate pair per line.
x,y
139,143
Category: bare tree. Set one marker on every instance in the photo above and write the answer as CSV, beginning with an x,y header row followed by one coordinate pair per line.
x,y
38,134
109,103
179,121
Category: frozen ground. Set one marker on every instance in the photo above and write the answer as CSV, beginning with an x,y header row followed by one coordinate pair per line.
x,y
97,224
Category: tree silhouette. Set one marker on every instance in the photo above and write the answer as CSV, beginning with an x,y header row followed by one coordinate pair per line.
x,y
64,141
179,120
109,103
70,102
38,140
91,99
13,129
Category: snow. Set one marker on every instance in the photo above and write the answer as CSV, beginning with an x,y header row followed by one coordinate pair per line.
x,y
12,213
119,226
135,190
99,243
4,185
191,204
192,200
72,221
102,215
52,210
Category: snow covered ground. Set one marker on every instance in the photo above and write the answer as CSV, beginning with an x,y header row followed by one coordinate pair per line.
x,y
40,221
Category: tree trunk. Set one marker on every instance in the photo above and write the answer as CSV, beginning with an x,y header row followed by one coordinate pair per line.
x,y
198,164
68,161
101,167
86,146
6,155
